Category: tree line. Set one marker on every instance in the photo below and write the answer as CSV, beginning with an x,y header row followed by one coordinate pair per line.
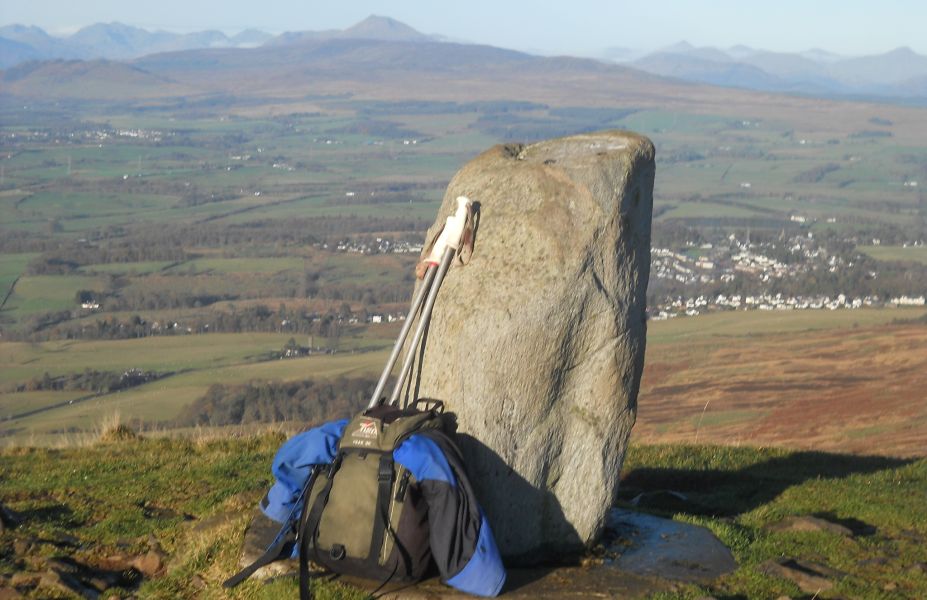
x,y
305,401
258,318
89,380
123,244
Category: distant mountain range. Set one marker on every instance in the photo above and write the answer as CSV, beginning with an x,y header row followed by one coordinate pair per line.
x,y
378,58
112,41
115,41
900,73
163,64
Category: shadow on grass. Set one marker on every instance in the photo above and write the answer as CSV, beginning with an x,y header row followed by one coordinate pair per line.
x,y
57,515
727,493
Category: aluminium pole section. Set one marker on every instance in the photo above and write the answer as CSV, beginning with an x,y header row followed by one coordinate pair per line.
x,y
403,334
442,254
422,324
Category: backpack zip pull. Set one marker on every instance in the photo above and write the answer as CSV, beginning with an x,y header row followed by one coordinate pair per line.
x,y
401,488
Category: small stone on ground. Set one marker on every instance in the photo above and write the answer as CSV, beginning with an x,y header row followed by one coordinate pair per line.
x,y
810,577
8,593
809,523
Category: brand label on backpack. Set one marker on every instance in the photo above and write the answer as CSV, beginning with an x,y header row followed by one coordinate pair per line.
x,y
365,434
366,429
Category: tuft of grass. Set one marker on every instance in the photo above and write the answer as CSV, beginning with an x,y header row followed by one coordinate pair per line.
x,y
112,429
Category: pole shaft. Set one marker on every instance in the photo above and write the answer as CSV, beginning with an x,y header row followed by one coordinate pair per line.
x,y
422,323
427,282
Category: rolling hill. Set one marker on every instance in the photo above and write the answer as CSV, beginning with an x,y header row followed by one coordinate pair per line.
x,y
95,79
373,27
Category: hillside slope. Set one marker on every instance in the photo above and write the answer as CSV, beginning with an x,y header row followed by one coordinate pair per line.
x,y
164,518
98,79
853,388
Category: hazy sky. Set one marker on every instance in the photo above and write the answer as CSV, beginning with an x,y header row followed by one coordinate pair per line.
x,y
583,27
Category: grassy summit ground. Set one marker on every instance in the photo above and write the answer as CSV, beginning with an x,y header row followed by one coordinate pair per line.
x,y
93,513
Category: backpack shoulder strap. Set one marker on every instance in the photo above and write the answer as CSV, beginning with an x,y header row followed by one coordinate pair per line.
x,y
279,542
270,555
309,526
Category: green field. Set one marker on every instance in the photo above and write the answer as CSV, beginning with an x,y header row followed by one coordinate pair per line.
x,y
195,362
175,353
12,266
224,266
709,209
916,254
22,361
162,400
15,403
129,268
47,293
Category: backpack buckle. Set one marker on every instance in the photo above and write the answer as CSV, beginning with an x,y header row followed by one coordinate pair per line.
x,y
337,552
385,472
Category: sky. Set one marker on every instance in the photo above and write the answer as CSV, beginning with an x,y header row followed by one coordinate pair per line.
x,y
576,27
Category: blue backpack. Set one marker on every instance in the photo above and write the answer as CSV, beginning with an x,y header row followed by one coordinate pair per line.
x,y
383,496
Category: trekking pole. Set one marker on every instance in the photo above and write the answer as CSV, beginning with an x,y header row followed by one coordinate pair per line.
x,y
442,254
416,304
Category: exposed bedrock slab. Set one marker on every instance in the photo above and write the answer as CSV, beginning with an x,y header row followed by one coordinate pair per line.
x,y
651,546
537,343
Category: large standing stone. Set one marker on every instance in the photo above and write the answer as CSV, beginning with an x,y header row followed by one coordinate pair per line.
x,y
537,344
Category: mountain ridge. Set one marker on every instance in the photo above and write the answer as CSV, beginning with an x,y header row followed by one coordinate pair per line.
x,y
897,73
118,41
384,57
893,73
114,41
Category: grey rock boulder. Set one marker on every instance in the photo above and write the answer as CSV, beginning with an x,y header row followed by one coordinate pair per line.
x,y
537,343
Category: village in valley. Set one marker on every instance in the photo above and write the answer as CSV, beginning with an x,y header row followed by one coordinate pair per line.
x,y
733,273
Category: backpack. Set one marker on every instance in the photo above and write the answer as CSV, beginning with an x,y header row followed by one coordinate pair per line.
x,y
361,518
383,496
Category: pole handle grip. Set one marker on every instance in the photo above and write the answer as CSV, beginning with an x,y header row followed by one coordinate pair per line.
x,y
452,234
